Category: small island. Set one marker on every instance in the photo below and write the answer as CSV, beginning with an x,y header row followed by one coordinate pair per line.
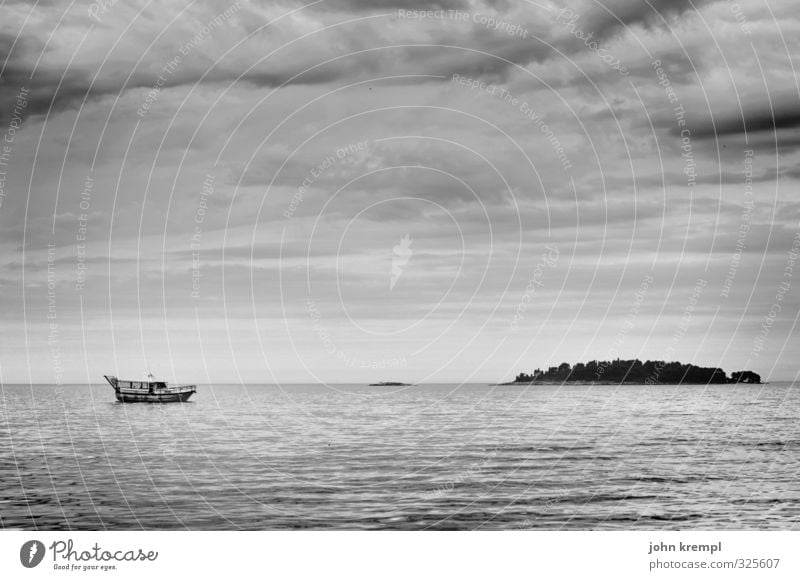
x,y
651,372
390,384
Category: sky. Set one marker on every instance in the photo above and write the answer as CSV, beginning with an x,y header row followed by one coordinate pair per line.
x,y
352,191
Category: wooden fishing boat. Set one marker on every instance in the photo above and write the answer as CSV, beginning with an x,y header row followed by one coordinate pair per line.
x,y
149,391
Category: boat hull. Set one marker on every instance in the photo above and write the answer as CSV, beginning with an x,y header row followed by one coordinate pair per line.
x,y
153,397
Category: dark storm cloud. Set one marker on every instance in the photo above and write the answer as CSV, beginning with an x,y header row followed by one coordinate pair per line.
x,y
44,91
467,50
787,141
764,118
6,42
485,54
762,124
47,89
56,91
488,56
792,173
12,77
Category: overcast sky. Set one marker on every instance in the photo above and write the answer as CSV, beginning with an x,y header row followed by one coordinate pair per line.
x,y
354,191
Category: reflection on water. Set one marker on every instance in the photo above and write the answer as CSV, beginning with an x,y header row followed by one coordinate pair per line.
x,y
425,457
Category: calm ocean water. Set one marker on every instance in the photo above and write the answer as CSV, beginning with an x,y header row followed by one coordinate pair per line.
x,y
426,457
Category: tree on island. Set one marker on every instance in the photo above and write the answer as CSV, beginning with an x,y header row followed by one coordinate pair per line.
x,y
745,377
636,371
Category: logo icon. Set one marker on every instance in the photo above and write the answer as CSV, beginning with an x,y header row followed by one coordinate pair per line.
x,y
402,254
31,553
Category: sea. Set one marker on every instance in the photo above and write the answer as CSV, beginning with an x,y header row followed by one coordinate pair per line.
x,y
426,457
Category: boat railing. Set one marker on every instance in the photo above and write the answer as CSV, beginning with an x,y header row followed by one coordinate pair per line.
x,y
177,387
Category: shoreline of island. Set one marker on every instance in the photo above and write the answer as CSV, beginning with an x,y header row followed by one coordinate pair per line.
x,y
633,372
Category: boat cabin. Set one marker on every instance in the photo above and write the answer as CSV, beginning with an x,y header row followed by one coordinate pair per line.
x,y
146,386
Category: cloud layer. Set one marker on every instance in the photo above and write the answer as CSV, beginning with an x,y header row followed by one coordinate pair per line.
x,y
235,178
